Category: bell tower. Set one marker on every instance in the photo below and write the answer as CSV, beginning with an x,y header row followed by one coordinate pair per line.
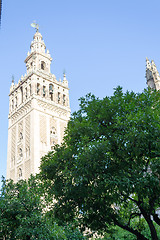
x,y
38,113
152,75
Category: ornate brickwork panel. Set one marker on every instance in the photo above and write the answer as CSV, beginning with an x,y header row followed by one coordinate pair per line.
x,y
20,153
13,145
20,172
21,112
20,131
43,129
53,122
53,131
27,135
53,108
12,174
27,168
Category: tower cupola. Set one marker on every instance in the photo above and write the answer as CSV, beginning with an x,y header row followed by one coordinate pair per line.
x,y
38,59
38,44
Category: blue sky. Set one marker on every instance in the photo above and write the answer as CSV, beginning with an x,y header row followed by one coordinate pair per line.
x,y
101,44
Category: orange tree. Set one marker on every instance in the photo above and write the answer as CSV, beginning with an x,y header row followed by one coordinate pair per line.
x,y
23,215
107,171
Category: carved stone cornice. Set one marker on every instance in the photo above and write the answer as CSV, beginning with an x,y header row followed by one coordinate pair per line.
x,y
61,111
20,113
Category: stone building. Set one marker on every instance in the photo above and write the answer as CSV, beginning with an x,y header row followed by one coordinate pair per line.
x,y
38,113
152,75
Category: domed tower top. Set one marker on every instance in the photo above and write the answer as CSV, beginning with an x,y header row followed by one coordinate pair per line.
x,y
38,58
38,44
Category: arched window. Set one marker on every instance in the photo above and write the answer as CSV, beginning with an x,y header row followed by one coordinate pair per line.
x,y
44,91
21,95
43,65
16,102
59,98
50,88
26,92
12,104
53,131
38,89
64,99
30,89
20,136
20,173
51,91
20,153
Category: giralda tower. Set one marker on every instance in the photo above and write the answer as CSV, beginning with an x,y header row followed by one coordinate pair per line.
x,y
38,113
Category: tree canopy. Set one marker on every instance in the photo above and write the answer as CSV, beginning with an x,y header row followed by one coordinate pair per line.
x,y
107,171
24,214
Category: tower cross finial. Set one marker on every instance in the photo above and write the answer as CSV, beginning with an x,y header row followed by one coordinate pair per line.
x,y
35,25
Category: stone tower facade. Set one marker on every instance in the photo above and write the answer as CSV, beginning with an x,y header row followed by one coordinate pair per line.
x,y
38,113
152,75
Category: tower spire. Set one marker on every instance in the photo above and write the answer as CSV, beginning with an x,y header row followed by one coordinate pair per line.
x,y
152,75
148,64
38,58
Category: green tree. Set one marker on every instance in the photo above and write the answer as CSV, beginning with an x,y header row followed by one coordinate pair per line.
x,y
21,210
107,171
24,214
117,233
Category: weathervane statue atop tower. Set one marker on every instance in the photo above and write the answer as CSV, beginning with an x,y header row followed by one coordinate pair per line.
x,y
35,25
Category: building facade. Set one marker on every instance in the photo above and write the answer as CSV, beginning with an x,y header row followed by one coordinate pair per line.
x,y
38,113
152,75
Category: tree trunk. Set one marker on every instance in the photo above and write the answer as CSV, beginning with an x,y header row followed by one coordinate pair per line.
x,y
131,230
150,224
156,218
